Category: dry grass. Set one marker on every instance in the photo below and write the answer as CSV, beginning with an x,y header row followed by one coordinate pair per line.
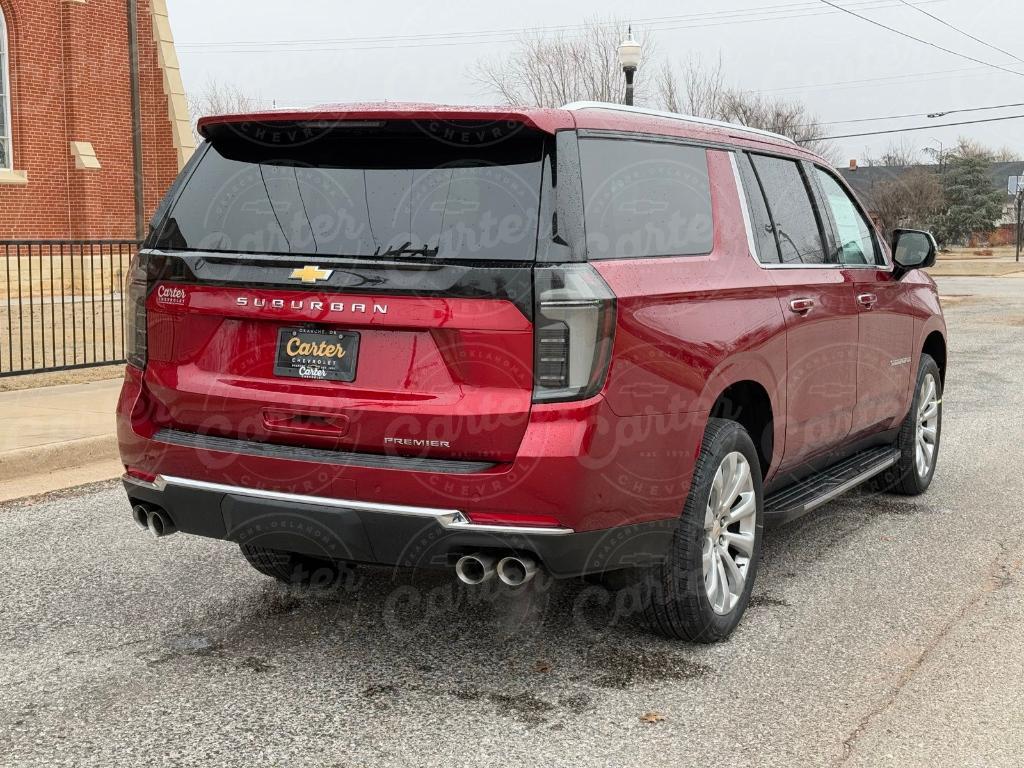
x,y
52,378
996,253
60,333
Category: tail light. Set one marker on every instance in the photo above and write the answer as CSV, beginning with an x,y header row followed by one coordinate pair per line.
x,y
135,312
574,325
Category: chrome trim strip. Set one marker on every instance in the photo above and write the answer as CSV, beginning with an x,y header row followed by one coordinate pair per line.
x,y
450,519
752,245
156,485
801,265
744,208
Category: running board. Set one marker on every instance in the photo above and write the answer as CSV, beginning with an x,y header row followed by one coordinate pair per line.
x,y
801,497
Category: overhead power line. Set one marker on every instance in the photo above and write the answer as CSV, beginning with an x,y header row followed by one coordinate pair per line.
x,y
929,127
962,32
776,12
938,113
884,80
920,40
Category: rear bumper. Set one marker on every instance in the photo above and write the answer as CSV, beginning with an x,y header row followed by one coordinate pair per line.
x,y
617,483
387,534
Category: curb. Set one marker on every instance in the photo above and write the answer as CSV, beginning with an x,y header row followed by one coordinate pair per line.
x,y
55,457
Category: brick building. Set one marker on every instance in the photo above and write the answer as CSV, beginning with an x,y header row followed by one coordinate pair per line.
x,y
66,118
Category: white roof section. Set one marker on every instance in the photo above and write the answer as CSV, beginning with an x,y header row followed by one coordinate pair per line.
x,y
578,105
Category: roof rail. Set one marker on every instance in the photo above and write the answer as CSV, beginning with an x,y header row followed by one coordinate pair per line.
x,y
674,116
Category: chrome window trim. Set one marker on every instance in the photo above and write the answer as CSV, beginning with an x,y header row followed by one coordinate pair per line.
x,y
745,209
887,265
450,519
823,266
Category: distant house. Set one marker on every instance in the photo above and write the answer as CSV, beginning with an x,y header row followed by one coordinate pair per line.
x,y
67,159
864,179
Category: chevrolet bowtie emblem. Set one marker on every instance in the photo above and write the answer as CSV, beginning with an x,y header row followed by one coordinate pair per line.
x,y
310,274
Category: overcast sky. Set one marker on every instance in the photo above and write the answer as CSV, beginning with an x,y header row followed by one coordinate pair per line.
x,y
841,67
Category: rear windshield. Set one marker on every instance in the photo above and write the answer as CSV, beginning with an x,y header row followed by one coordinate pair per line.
x,y
404,194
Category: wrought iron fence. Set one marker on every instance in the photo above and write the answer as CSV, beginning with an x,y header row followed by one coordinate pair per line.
x,y
63,305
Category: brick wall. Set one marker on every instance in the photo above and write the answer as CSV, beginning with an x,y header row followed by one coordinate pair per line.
x,y
69,78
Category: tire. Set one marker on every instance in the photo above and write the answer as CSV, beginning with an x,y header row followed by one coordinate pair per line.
x,y
904,476
295,569
677,596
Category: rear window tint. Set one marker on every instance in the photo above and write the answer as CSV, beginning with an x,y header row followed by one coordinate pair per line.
x,y
363,196
760,221
645,198
795,223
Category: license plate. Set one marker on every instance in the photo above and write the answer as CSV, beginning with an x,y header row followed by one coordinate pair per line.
x,y
318,355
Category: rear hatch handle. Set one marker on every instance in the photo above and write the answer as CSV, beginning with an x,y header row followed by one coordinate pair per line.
x,y
305,422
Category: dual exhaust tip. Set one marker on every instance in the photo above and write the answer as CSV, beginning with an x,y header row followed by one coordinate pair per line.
x,y
153,519
513,571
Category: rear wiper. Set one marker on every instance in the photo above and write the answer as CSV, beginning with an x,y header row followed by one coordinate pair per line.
x,y
406,250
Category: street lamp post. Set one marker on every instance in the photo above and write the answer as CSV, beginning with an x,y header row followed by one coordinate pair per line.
x,y
629,60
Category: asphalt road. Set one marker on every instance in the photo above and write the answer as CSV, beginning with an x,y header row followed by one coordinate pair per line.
x,y
884,631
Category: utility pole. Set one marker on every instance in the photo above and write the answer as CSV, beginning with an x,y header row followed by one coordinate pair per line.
x,y
1020,224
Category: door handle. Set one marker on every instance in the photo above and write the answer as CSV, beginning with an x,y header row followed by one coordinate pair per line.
x,y
801,306
867,299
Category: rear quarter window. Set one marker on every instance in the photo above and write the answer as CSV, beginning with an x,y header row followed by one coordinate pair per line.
x,y
645,198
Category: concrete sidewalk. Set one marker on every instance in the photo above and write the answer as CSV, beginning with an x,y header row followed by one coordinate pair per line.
x,y
57,437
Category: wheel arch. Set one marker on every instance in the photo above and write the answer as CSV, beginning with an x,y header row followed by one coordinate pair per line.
x,y
935,347
748,403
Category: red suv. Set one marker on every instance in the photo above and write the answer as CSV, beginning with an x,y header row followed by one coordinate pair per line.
x,y
505,340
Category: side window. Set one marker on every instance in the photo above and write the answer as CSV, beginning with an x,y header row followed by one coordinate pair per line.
x,y
760,221
794,220
645,198
5,99
856,241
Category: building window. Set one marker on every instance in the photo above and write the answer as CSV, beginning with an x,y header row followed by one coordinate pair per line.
x,y
5,99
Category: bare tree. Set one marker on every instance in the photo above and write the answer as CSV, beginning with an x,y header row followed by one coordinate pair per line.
x,y
699,89
967,147
548,70
913,199
898,153
219,98
1006,155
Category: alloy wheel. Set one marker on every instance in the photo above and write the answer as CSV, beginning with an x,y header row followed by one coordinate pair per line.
x,y
927,426
729,527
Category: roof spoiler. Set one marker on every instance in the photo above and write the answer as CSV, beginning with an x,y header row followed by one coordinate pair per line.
x,y
432,117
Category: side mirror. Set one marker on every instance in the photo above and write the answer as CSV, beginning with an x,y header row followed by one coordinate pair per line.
x,y
913,249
